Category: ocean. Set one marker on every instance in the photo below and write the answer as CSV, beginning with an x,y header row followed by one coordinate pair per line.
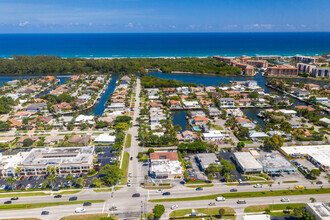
x,y
164,44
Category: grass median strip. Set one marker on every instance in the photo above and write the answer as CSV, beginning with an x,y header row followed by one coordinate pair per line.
x,y
249,195
67,192
85,217
202,185
124,167
41,205
24,194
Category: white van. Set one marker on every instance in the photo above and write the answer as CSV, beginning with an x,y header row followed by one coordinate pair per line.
x,y
220,199
80,210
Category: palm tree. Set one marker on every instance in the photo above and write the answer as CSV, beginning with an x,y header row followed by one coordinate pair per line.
x,y
11,181
96,182
80,181
52,179
18,170
70,179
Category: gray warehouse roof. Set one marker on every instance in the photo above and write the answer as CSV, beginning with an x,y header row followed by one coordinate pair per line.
x,y
206,159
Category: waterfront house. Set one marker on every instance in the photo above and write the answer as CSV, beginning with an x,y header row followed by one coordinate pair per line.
x,y
234,112
174,104
191,104
210,89
196,89
312,86
213,135
169,90
301,93
36,107
257,134
199,121
187,136
62,106
227,102
243,102
184,90
322,100
244,122
213,111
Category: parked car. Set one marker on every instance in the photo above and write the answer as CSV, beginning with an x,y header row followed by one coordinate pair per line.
x,y
73,198
136,195
2,187
129,174
239,180
14,198
80,210
166,193
19,186
233,190
45,213
28,186
257,185
7,202
199,188
58,196
131,158
87,204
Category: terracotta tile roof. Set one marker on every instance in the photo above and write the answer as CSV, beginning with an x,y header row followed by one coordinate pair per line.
x,y
164,155
15,123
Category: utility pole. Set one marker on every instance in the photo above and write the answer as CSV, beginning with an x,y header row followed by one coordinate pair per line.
x,y
141,209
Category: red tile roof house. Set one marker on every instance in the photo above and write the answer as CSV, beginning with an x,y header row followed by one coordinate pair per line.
x,y
15,123
309,108
46,120
206,103
22,114
62,106
243,102
233,93
155,104
21,140
312,86
175,104
200,121
169,90
187,136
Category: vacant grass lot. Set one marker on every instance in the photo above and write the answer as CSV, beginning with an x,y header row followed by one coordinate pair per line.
x,y
23,194
282,206
41,205
229,212
249,194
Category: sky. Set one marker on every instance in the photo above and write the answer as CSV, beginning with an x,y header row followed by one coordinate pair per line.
x,y
145,16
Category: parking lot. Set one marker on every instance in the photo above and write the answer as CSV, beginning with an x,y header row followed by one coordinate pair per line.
x,y
235,174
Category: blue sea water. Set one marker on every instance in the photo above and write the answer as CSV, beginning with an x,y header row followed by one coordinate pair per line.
x,y
164,44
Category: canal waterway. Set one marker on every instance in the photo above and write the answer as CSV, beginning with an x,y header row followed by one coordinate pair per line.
x,y
214,80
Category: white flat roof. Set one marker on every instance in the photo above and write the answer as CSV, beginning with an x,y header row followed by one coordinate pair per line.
x,y
320,153
247,161
105,138
256,217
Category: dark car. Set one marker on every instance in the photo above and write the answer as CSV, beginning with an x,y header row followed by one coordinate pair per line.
x,y
233,190
199,188
7,202
166,193
73,198
131,158
44,213
319,182
19,186
87,204
14,198
58,196
136,195
182,182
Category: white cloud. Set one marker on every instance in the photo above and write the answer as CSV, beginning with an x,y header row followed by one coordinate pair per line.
x,y
24,23
130,25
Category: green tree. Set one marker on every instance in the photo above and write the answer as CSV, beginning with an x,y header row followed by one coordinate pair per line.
x,y
80,181
27,142
96,182
315,172
240,146
312,199
69,178
52,180
110,174
158,210
210,176
10,181
221,212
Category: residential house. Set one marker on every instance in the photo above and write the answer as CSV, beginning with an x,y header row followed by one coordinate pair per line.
x,y
244,122
213,135
191,104
210,89
80,139
175,104
37,107
301,93
187,136
51,140
213,111
22,114
62,106
200,121
227,102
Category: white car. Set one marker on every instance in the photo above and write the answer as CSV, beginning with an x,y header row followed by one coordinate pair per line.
x,y
159,190
80,210
285,200
2,187
174,207
257,186
129,174
28,186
